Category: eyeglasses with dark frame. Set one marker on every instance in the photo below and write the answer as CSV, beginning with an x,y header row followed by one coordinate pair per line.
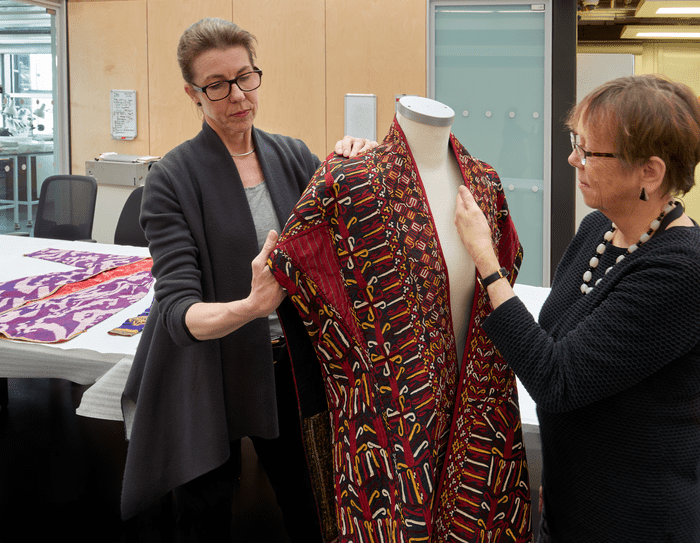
x,y
582,153
219,90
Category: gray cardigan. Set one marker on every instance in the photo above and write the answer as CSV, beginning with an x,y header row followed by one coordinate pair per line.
x,y
202,239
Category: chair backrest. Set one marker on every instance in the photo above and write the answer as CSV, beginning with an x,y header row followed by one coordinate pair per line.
x,y
66,207
129,230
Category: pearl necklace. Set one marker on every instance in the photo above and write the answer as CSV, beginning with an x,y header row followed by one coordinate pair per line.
x,y
593,263
243,154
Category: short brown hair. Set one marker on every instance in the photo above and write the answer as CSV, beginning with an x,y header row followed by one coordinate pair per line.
x,y
211,33
645,116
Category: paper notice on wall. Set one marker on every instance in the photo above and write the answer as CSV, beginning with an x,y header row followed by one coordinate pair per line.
x,y
123,109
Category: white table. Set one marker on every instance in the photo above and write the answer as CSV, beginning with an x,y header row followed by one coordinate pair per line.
x,y
533,298
91,356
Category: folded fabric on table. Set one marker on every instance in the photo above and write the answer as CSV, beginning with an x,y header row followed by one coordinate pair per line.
x,y
131,326
55,307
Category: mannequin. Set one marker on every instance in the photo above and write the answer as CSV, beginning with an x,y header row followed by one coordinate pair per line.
x,y
426,125
423,448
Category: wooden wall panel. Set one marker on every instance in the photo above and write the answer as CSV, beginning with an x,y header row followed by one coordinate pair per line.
x,y
376,47
107,50
312,53
291,53
174,117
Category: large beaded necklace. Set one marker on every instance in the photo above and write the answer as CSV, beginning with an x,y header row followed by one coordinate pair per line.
x,y
607,237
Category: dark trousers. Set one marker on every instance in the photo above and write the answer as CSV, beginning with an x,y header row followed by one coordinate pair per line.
x,y
203,506
543,532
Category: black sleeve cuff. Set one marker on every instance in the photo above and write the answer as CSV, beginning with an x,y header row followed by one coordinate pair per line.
x,y
184,324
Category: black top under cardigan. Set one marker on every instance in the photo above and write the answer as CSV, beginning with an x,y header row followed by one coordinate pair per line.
x,y
616,377
202,239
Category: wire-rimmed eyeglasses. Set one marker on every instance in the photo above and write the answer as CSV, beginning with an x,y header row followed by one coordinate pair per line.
x,y
582,153
219,90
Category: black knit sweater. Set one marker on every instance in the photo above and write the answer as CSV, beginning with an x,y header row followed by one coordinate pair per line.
x,y
616,378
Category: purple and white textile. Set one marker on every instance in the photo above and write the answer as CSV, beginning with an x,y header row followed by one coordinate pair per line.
x,y
26,315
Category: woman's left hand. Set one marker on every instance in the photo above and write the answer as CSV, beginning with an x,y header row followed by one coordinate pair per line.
x,y
474,231
350,147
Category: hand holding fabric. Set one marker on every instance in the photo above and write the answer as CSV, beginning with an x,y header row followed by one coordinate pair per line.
x,y
350,147
474,231
265,292
216,320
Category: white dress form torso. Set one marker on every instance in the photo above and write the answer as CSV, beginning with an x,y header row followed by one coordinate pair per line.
x,y
426,125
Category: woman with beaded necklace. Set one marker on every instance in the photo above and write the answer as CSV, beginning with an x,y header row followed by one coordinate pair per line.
x,y
614,362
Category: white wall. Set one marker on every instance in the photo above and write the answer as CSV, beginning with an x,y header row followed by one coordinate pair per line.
x,y
592,70
110,200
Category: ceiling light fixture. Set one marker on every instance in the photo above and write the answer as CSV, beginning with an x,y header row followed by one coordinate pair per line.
x,y
678,11
668,8
660,32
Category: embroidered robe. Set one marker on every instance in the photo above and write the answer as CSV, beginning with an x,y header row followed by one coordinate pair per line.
x,y
423,450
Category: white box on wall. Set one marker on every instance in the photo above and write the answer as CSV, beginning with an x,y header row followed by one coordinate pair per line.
x,y
131,174
361,116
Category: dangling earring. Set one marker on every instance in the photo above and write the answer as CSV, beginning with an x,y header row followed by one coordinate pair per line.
x,y
643,196
199,104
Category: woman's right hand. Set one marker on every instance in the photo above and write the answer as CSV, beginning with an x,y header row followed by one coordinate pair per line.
x,y
265,292
216,320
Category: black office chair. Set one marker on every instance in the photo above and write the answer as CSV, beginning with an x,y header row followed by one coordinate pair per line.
x,y
128,231
66,208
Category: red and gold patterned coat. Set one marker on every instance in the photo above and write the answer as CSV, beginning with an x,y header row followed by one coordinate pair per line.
x,y
422,450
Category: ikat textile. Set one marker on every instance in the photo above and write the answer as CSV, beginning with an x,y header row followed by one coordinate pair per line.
x,y
55,307
423,451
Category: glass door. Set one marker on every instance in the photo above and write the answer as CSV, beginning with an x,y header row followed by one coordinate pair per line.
x,y
489,63
31,115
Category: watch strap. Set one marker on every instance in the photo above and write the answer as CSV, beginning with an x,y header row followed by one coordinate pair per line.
x,y
495,276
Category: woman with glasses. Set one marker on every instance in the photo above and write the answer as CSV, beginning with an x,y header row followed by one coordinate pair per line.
x,y
614,362
212,365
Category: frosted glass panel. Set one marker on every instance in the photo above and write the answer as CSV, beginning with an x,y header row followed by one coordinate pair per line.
x,y
489,68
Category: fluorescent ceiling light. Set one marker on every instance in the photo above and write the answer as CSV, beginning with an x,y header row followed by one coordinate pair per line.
x,y
663,35
678,11
667,8
660,32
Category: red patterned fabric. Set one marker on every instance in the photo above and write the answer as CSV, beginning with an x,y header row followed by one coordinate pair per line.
x,y
422,451
108,275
